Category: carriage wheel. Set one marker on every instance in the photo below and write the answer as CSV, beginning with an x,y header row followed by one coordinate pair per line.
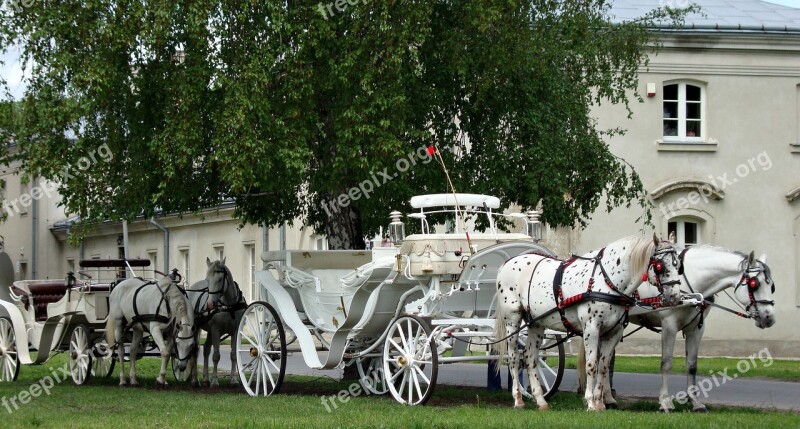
x,y
261,346
9,360
103,359
551,364
371,375
410,362
80,355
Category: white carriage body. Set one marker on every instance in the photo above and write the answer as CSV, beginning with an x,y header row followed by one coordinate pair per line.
x,y
355,295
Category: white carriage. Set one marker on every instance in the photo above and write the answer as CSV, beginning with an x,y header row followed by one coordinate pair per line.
x,y
394,312
63,315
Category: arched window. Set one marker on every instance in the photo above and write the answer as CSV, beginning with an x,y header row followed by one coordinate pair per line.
x,y
684,112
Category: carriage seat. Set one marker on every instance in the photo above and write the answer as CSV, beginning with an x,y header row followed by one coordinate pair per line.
x,y
43,294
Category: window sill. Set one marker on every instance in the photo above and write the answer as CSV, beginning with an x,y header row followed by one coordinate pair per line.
x,y
794,147
688,146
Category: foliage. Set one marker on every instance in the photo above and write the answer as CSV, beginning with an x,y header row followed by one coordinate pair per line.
x,y
284,107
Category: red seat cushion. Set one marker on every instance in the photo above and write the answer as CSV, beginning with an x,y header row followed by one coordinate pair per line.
x,y
43,294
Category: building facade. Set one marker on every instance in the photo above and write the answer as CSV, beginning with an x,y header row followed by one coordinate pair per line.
x,y
716,142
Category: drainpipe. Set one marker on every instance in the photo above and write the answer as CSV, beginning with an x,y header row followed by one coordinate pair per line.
x,y
283,236
166,243
34,228
265,240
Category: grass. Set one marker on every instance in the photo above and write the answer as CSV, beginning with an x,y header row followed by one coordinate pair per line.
x,y
784,370
102,404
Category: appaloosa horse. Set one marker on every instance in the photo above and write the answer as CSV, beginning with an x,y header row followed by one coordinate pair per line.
x,y
587,295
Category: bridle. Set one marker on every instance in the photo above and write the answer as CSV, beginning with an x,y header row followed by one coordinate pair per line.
x,y
750,280
177,336
657,263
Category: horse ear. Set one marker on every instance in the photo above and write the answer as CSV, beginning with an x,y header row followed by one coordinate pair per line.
x,y
672,237
763,258
655,239
208,262
223,260
751,257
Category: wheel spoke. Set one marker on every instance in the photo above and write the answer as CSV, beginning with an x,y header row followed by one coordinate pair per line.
x,y
397,346
419,371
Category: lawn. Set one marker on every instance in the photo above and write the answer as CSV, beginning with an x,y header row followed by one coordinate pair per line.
x,y
102,404
784,370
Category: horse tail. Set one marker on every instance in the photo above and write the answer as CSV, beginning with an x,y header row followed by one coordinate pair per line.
x,y
501,346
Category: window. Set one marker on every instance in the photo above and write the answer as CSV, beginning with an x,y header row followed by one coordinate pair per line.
x,y
683,112
250,251
687,232
184,261
320,243
71,265
219,251
152,255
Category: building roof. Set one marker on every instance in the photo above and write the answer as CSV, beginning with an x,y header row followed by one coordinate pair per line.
x,y
752,16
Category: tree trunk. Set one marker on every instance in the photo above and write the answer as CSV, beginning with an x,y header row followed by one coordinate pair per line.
x,y
343,229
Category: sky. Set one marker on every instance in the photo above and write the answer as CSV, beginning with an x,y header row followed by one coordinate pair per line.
x,y
10,69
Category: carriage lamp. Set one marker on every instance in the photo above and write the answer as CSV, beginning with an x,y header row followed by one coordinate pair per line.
x,y
535,225
397,229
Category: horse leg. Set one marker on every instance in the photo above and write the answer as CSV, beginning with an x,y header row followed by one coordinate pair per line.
x,y
607,347
581,366
206,353
193,363
668,332
136,341
591,340
215,357
165,353
512,322
535,336
234,355
118,331
693,336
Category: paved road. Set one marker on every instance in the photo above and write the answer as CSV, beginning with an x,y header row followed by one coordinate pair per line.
x,y
751,392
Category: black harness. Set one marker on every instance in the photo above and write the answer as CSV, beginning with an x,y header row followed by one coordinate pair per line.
x,y
157,317
616,298
203,314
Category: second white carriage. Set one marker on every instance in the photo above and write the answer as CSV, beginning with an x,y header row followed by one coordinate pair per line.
x,y
395,312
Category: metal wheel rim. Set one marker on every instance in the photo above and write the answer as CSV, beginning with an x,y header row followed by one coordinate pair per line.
x,y
372,376
9,360
410,365
261,347
80,358
103,360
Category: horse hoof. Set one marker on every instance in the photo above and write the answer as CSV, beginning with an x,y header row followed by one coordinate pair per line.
x,y
544,407
519,407
612,406
663,410
701,409
214,384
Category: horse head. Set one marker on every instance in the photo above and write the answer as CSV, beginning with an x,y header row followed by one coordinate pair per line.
x,y
663,271
219,281
184,330
755,290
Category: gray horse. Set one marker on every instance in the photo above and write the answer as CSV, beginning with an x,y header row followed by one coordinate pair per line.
x,y
218,306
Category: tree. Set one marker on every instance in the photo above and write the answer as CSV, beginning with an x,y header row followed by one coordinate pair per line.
x,y
307,110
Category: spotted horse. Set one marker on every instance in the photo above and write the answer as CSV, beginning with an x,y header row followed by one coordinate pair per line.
x,y
586,295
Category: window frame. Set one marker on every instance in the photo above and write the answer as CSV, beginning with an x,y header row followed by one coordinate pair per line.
x,y
680,230
681,119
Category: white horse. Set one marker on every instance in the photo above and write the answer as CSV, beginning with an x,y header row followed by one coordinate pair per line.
x,y
218,306
160,308
590,293
708,270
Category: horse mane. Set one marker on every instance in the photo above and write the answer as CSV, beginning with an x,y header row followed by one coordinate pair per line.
x,y
745,257
176,299
639,254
